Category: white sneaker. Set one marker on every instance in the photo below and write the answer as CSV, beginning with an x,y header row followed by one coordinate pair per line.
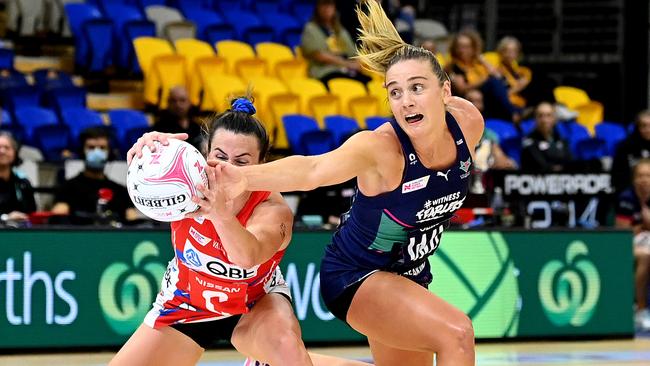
x,y
250,362
642,320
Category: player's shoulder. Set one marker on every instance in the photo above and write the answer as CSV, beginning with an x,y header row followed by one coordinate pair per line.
x,y
275,205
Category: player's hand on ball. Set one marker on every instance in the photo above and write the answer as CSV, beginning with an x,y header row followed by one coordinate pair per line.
x,y
216,203
147,140
230,178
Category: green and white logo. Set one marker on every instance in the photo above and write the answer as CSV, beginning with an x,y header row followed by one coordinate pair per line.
x,y
126,293
570,291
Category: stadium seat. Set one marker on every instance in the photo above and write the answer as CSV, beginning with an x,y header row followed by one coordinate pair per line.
x,y
279,106
99,33
179,30
170,71
131,135
262,7
504,129
291,69
242,21
77,14
258,34
46,79
511,146
51,140
570,96
321,106
162,15
341,127
306,88
362,107
6,58
62,98
527,126
219,88
203,19
124,119
613,133
234,51
316,142
205,66
296,125
29,118
303,10
250,68
224,6
215,33
283,25
132,30
146,50
21,96
77,120
376,89
263,89
375,121
121,14
273,53
346,89
591,148
193,50
573,133
590,115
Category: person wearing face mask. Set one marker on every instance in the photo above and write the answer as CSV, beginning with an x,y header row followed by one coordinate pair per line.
x,y
77,198
16,193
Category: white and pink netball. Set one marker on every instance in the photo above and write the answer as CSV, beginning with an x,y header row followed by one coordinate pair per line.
x,y
161,184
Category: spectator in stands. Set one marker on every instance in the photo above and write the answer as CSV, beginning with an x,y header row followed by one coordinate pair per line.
x,y
16,193
488,153
544,151
328,46
468,70
631,150
78,198
180,117
517,76
633,211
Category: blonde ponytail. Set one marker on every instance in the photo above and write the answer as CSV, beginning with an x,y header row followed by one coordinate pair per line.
x,y
380,41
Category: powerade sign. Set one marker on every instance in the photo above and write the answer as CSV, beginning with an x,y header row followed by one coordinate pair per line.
x,y
93,288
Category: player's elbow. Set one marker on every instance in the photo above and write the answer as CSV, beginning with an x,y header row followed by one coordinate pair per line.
x,y
247,260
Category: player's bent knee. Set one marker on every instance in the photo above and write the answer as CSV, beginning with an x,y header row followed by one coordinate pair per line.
x,y
464,336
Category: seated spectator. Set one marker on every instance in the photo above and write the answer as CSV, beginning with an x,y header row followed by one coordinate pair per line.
x,y
16,193
633,211
78,198
328,46
631,150
544,151
467,70
517,76
179,117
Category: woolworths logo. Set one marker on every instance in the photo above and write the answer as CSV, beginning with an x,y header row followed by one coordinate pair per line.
x,y
569,291
126,290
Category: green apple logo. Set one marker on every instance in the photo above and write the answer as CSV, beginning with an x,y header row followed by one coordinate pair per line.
x,y
569,291
126,293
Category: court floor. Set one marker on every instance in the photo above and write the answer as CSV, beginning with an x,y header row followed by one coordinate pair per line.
x,y
633,352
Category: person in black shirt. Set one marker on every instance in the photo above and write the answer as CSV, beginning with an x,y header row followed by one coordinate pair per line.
x,y
631,150
179,117
543,150
78,198
16,193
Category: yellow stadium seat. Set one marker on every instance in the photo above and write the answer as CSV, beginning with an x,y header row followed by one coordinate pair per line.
x,y
442,59
250,68
298,52
363,107
146,49
273,53
263,88
205,66
306,88
346,89
376,89
193,50
291,69
280,105
234,51
590,114
571,96
492,58
322,106
220,89
170,70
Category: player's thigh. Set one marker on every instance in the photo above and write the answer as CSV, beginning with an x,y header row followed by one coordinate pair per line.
x,y
384,355
270,315
412,318
164,346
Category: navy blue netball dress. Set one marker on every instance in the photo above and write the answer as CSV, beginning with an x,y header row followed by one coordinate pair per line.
x,y
396,231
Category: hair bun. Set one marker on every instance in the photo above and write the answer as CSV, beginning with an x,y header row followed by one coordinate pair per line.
x,y
243,105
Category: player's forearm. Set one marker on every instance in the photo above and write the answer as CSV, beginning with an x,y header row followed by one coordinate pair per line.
x,y
283,175
243,248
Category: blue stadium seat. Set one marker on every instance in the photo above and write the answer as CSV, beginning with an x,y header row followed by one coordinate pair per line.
x,y
613,133
284,25
124,119
203,18
190,5
573,133
63,98
99,34
241,21
317,142
527,126
22,96
266,6
259,34
295,126
5,118
131,135
303,10
512,147
78,14
592,148
46,79
504,129
341,127
132,30
375,121
11,78
6,58
29,118
225,6
218,32
78,119
121,14
51,140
